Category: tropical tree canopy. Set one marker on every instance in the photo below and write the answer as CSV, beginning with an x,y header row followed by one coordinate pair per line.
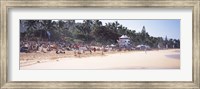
x,y
88,32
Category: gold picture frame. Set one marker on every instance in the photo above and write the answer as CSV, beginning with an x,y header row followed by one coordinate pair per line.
x,y
4,52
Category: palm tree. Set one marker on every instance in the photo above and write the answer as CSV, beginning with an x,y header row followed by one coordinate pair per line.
x,y
70,25
115,26
99,23
143,35
87,26
46,26
32,26
96,26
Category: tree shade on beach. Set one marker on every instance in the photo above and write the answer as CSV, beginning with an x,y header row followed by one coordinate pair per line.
x,y
89,32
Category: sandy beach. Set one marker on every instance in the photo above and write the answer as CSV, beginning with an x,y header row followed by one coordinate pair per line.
x,y
162,59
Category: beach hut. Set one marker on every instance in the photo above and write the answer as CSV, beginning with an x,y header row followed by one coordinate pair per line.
x,y
124,41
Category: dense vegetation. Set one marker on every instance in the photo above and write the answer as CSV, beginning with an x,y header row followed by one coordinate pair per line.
x,y
89,32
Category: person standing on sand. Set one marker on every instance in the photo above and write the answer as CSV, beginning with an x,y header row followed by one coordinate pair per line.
x,y
79,53
145,49
158,46
76,50
103,49
94,49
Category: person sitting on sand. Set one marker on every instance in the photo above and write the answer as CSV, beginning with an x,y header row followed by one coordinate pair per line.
x,y
90,51
60,50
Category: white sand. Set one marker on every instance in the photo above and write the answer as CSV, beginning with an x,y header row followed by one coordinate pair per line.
x,y
162,59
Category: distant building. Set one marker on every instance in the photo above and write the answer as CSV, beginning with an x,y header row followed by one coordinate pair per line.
x,y
124,41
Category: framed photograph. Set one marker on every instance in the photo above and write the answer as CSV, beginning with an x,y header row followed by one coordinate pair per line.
x,y
99,44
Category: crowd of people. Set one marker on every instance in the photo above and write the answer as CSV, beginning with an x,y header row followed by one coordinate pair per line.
x,y
63,47
58,47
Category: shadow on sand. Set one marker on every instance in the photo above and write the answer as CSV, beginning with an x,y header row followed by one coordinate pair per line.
x,y
174,56
177,51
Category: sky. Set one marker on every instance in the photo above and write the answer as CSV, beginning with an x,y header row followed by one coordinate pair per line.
x,y
155,28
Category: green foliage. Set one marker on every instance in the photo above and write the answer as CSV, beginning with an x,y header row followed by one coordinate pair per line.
x,y
91,32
